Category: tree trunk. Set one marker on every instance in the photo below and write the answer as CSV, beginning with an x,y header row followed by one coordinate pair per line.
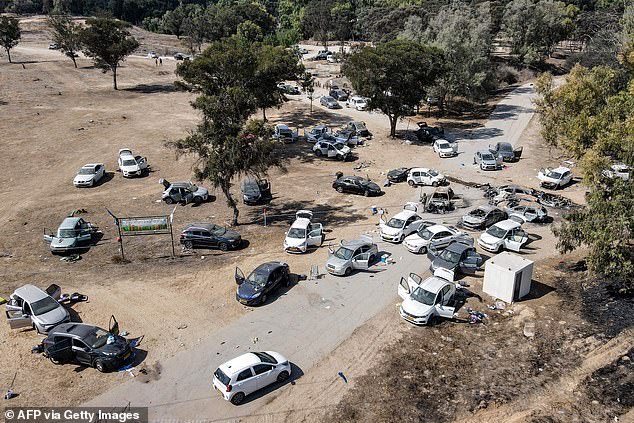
x,y
9,54
114,77
74,61
393,121
264,113
230,202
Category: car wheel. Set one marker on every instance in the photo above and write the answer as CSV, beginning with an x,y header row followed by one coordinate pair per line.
x,y
169,200
237,398
422,250
100,366
56,362
434,184
223,246
283,376
499,250
481,167
263,299
92,183
340,190
439,155
318,153
198,200
432,320
188,245
411,183
348,271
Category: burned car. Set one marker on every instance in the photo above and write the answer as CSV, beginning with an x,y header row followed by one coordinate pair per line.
x,y
531,212
426,133
441,200
183,192
357,128
255,191
398,175
482,217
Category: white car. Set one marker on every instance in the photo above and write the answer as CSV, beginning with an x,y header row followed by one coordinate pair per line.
x,y
89,175
507,234
357,103
314,134
284,134
425,301
440,235
554,178
250,372
445,149
303,233
402,224
29,306
332,150
621,171
424,176
131,165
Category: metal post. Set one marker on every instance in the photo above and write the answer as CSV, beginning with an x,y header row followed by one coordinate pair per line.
x,y
172,236
264,216
120,240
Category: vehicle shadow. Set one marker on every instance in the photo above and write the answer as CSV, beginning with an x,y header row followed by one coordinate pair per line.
x,y
296,373
282,290
74,316
531,238
107,177
210,199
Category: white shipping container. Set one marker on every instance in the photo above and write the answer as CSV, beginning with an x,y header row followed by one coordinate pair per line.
x,y
507,277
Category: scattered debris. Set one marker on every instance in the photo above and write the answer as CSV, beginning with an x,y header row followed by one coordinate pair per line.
x,y
529,329
71,258
341,375
181,326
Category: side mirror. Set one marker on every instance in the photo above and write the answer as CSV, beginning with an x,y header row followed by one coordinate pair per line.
x,y
330,250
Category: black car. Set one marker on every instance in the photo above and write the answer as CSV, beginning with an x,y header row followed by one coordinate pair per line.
x,y
356,185
87,345
266,278
208,235
426,133
255,191
457,257
339,95
398,175
506,152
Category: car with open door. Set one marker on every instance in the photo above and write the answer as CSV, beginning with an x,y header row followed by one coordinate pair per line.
x,y
554,178
315,133
303,233
440,235
457,258
398,174
357,103
183,192
131,165
506,152
487,160
507,234
404,223
358,128
255,191
248,373
445,148
425,176
426,133
87,345
358,254
357,185
264,280
284,134
332,150
209,235
72,234
29,306
424,302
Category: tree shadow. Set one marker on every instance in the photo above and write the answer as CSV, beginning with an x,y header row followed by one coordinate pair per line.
x,y
296,373
508,111
326,214
152,88
481,133
300,119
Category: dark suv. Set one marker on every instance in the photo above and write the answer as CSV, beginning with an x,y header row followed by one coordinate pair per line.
x,y
87,345
208,235
266,278
339,94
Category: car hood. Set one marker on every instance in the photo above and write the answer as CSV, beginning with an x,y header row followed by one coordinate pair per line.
x,y
337,262
130,167
489,239
414,239
118,346
56,315
371,186
396,173
440,263
231,235
415,308
201,191
63,242
390,231
489,162
248,290
345,150
84,178
473,219
294,242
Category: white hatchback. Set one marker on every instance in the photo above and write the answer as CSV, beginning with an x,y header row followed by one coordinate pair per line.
x,y
402,224
445,149
250,372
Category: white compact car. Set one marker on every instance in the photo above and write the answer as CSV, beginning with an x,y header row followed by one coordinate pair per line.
x,y
250,372
424,302
402,224
30,306
440,235
89,175
303,233
131,165
445,149
357,102
507,234
424,176
554,178
332,150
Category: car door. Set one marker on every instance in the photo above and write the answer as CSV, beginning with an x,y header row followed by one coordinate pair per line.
x,y
315,237
83,231
442,239
245,382
81,351
408,228
442,300
407,285
416,177
187,195
470,261
356,187
18,319
264,375
530,214
513,239
239,276
361,258
207,239
60,350
175,194
331,151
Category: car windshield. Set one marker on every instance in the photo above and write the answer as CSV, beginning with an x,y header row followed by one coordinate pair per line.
x,y
298,233
496,231
257,279
423,296
217,230
443,145
450,256
222,377
97,339
329,99
487,157
505,147
425,233
339,146
266,357
285,132
554,175
44,306
66,233
87,171
192,188
343,253
432,172
129,162
477,213
396,223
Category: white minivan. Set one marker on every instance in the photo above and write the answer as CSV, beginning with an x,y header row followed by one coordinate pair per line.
x,y
248,373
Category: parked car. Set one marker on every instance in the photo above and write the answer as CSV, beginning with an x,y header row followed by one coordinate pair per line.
x,y
302,50
425,176
329,102
426,301
554,178
339,95
505,151
53,46
288,89
403,223
533,213
183,192
303,233
342,136
445,149
440,235
357,128
284,134
487,160
248,373
255,191
456,258
352,255
356,185
29,306
333,58
507,234
619,170
180,56
322,55
441,200
332,150
435,248
152,55
426,133
131,165
315,134
356,102
264,280
89,175
482,217
87,345
72,234
398,174
209,235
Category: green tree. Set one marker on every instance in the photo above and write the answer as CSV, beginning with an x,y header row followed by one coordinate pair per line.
x,y
108,42
342,21
194,26
317,20
307,82
9,34
394,76
66,34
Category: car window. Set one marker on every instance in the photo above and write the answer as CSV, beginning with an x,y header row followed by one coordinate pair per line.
x,y
262,368
245,374
445,290
78,343
415,173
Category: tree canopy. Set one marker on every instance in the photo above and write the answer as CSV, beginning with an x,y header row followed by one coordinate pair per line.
x,y
9,34
67,35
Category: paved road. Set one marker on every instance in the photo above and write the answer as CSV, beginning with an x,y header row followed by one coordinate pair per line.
x,y
307,322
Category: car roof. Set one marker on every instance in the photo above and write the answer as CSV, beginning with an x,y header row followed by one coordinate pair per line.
x,y
437,228
561,169
92,165
237,364
30,293
486,207
485,152
355,243
443,190
404,214
69,222
80,330
356,178
301,222
181,184
457,247
282,126
202,225
508,224
504,143
268,267
433,284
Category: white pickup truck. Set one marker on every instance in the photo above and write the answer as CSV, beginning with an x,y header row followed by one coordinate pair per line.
x,y
425,301
131,165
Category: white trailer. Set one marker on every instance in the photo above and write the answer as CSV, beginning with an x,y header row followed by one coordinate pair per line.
x,y
507,276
